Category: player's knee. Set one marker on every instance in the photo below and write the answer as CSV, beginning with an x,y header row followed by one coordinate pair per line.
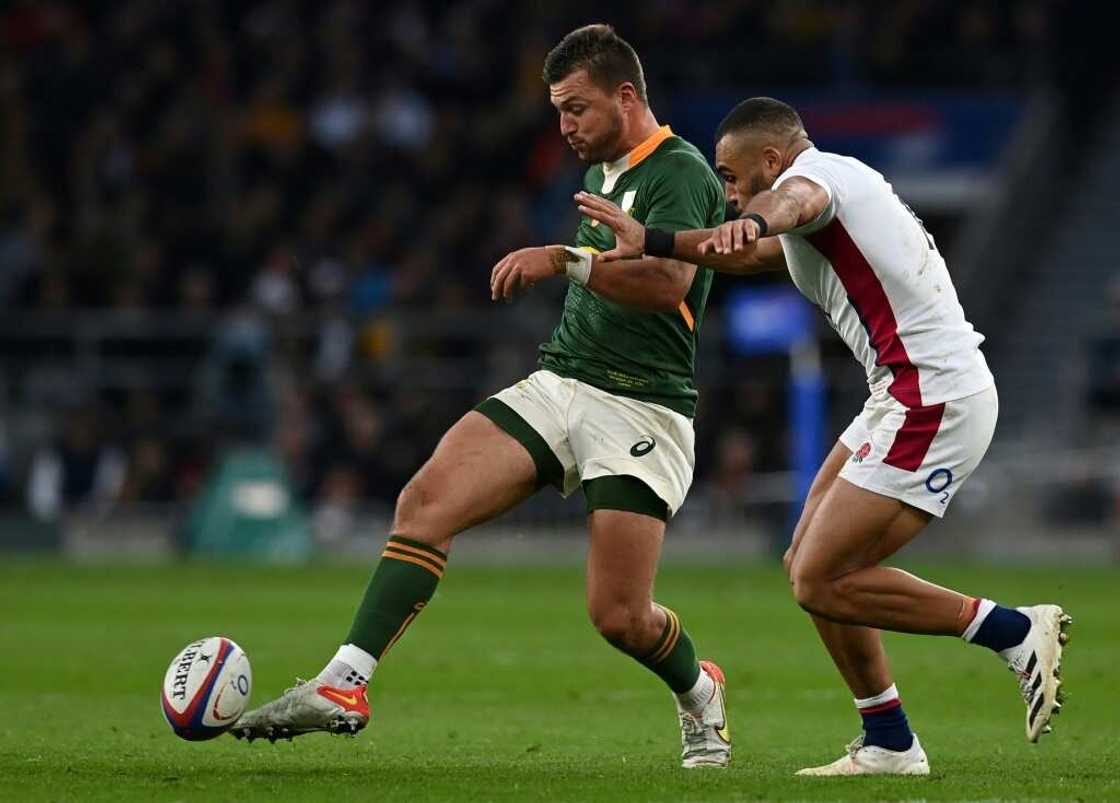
x,y
812,590
623,626
410,503
787,563
417,513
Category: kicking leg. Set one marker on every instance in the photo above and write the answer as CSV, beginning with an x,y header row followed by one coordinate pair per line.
x,y
476,472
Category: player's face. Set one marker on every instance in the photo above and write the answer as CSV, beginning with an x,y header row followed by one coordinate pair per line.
x,y
746,169
591,119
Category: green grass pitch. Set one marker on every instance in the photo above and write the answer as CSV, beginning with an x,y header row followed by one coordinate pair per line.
x,y
502,691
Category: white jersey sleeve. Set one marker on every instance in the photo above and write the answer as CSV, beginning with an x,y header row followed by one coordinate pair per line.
x,y
868,262
819,176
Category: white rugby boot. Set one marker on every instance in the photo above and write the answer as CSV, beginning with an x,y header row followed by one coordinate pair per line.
x,y
706,739
1038,663
864,759
307,707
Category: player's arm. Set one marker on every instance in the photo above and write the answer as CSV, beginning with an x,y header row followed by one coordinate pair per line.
x,y
680,195
677,198
651,283
763,255
797,202
691,246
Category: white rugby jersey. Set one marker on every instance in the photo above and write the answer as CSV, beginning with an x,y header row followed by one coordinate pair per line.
x,y
871,266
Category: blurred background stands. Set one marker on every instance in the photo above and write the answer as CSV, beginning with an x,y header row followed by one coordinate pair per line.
x,y
268,225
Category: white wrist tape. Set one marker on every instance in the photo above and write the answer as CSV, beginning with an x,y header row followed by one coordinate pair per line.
x,y
578,266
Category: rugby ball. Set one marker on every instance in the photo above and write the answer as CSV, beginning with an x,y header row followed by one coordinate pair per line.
x,y
206,688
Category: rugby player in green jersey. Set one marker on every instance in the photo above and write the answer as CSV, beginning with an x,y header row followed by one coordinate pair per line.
x,y
610,411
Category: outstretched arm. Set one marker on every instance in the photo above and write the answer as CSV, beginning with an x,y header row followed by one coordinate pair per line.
x,y
695,246
763,255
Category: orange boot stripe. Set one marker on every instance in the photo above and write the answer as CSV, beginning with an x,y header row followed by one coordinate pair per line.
x,y
713,671
350,699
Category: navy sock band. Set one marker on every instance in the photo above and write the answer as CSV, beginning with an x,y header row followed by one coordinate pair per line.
x,y
1002,628
886,726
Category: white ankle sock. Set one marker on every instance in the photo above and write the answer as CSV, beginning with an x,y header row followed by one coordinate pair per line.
x,y
351,666
694,700
886,696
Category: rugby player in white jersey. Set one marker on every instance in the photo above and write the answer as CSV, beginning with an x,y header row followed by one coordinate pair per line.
x,y
854,249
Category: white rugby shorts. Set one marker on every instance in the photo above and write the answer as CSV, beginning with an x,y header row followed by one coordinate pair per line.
x,y
919,455
594,434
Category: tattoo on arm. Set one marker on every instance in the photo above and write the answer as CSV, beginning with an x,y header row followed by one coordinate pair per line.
x,y
789,207
559,259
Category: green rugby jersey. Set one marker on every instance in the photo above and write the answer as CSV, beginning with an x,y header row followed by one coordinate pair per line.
x,y
667,184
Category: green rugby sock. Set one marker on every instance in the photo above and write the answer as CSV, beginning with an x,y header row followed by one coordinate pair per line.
x,y
673,658
401,586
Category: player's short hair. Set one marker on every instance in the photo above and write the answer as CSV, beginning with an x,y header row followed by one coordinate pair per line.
x,y
761,114
608,58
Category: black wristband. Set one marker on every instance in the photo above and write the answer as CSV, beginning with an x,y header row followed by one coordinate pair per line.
x,y
658,243
760,220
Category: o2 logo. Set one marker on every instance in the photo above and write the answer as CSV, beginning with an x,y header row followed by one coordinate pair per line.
x,y
938,482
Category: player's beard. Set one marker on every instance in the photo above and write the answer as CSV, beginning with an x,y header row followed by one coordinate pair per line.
x,y
606,147
759,183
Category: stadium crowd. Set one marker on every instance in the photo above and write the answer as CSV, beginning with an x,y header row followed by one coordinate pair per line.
x,y
287,176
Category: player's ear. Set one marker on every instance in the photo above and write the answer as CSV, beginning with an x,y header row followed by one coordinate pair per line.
x,y
627,94
773,159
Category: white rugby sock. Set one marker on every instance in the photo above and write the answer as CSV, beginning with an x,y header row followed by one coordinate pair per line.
x,y
891,693
694,700
351,666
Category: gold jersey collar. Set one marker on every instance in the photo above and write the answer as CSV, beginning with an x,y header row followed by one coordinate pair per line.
x,y
612,171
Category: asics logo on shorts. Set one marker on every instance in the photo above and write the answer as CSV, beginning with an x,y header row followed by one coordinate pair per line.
x,y
643,447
